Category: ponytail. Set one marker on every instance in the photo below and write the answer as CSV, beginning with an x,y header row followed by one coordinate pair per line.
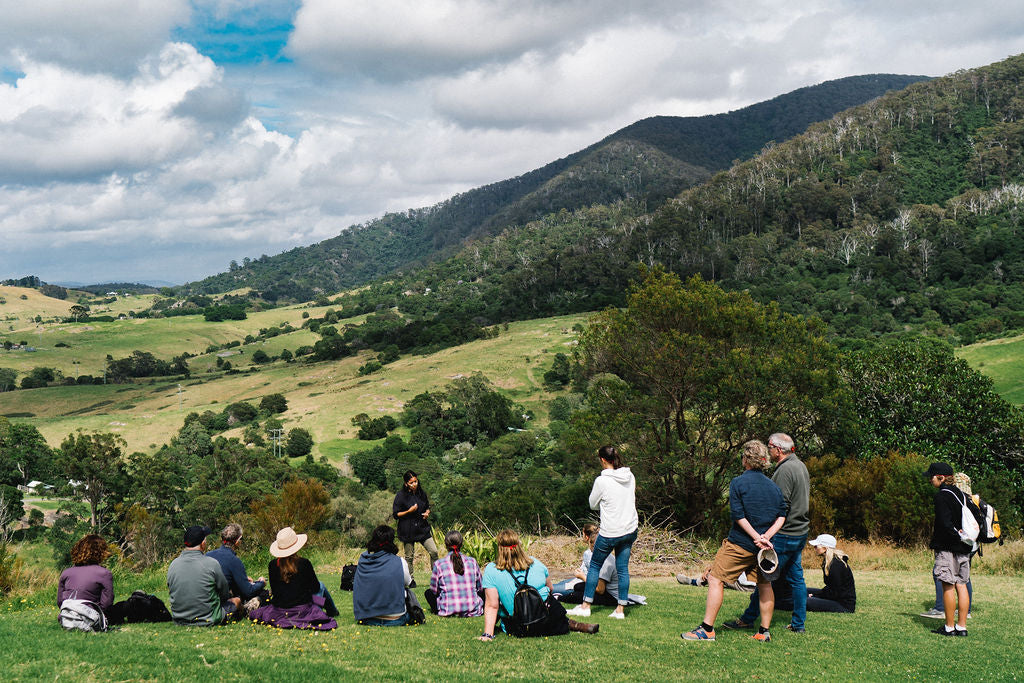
x,y
453,541
610,454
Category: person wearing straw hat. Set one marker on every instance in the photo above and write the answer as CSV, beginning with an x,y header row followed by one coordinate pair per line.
x,y
298,598
758,511
199,593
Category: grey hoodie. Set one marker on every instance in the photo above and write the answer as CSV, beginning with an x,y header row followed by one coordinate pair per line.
x,y
614,493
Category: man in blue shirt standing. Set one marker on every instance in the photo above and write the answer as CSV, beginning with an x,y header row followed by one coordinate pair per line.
x,y
234,571
791,476
758,511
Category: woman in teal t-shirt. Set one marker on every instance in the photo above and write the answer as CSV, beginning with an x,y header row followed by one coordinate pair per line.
x,y
500,588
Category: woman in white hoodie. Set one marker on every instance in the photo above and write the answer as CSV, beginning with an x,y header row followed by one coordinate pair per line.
x,y
614,493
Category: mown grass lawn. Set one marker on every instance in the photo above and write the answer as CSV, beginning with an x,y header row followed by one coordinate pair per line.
x,y
884,640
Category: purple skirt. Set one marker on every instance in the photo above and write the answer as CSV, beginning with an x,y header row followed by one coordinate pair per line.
x,y
311,615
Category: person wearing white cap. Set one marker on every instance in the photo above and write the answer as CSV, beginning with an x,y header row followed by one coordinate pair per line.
x,y
840,592
298,598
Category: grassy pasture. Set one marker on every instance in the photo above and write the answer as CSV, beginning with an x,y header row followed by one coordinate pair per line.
x,y
1003,361
883,640
322,397
89,343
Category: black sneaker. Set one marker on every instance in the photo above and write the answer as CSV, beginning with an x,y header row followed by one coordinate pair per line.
x,y
737,624
412,584
943,632
962,632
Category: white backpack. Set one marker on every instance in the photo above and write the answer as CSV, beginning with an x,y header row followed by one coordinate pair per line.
x,y
969,527
81,615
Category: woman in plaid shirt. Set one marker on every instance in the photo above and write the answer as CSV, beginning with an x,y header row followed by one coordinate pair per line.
x,y
455,582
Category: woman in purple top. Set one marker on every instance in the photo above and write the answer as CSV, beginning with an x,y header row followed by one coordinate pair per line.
x,y
455,582
87,579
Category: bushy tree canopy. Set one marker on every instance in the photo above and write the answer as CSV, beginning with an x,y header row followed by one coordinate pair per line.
x,y
686,373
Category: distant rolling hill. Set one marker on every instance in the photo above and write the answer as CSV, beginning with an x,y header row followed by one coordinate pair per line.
x,y
649,161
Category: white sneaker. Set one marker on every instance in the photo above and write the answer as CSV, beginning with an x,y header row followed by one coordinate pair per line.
x,y
579,611
617,615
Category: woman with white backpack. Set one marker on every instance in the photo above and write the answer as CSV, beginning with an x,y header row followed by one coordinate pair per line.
x,y
952,545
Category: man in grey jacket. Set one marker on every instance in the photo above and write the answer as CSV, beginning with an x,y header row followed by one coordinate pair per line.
x,y
199,592
791,476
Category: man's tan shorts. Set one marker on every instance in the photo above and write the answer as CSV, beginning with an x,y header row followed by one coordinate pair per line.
x,y
731,560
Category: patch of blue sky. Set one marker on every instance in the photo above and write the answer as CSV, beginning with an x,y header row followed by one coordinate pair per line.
x,y
245,35
10,76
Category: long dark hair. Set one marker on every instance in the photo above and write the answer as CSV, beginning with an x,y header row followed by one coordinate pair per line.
x,y
409,474
611,455
382,538
453,541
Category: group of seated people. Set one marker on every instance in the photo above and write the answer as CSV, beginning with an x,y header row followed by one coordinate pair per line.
x,y
210,588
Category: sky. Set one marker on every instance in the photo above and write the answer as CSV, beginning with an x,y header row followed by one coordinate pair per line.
x,y
158,140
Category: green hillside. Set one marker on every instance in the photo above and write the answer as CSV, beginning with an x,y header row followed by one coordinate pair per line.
x,y
649,161
898,215
1002,360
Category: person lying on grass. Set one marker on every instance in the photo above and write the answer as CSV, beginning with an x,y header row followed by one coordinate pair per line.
x,y
758,511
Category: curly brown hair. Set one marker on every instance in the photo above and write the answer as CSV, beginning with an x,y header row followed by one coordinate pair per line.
x,y
92,549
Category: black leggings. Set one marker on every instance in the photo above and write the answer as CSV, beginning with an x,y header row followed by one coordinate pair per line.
x,y
815,604
576,597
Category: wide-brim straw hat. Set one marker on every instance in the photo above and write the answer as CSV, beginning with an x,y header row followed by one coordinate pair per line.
x,y
288,542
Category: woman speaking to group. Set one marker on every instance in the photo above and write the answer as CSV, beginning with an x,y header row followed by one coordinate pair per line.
x,y
412,510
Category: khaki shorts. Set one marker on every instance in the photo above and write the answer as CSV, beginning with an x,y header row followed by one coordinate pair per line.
x,y
952,567
731,560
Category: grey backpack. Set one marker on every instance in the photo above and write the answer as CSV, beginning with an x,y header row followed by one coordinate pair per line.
x,y
81,615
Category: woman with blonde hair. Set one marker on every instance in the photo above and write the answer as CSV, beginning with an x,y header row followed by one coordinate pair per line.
x,y
298,598
502,578
840,592
88,579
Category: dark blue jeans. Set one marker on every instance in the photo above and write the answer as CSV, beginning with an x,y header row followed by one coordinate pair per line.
x,y
789,549
622,546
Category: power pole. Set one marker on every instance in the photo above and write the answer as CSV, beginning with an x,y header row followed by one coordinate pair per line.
x,y
276,435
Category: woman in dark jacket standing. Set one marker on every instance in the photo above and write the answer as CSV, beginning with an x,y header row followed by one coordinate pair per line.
x,y
412,510
952,555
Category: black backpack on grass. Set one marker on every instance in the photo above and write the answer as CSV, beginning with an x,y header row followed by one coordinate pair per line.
x,y
529,611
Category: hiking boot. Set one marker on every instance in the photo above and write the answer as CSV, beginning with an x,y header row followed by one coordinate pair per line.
x,y
790,627
581,627
737,624
687,580
762,637
698,634
933,614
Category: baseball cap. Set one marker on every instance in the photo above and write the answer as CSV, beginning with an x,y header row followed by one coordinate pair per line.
x,y
194,535
938,468
824,540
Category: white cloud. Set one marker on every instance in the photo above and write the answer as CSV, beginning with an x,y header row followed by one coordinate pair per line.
x,y
124,154
89,35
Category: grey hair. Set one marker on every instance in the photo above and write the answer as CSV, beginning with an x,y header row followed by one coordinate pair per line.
x,y
231,533
783,441
755,455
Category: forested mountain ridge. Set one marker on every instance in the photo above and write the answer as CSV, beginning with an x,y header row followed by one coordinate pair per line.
x,y
650,161
900,214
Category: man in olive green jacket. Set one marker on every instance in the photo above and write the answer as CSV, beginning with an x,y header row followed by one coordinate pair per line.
x,y
199,592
